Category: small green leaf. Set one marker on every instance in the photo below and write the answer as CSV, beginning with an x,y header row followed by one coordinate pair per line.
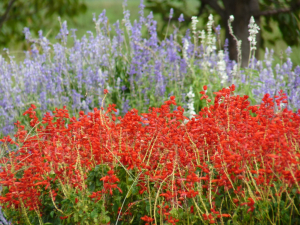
x,y
75,217
94,213
105,219
174,212
148,207
116,207
134,190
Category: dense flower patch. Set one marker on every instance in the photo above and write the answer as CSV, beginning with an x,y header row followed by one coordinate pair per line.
x,y
138,68
232,162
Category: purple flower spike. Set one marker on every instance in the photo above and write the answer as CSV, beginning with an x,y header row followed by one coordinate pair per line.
x,y
181,18
171,13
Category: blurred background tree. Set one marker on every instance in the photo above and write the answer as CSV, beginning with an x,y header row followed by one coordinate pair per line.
x,y
285,13
34,14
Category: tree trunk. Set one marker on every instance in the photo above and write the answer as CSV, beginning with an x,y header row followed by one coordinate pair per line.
x,y
242,10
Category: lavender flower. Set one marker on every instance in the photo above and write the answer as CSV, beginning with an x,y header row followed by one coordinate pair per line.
x,y
181,18
218,29
171,13
63,32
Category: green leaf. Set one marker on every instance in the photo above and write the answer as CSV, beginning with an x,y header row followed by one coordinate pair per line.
x,y
92,187
174,212
116,206
148,207
52,214
134,190
94,213
75,217
105,219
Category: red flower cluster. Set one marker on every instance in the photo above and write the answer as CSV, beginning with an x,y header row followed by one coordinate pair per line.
x,y
109,182
228,143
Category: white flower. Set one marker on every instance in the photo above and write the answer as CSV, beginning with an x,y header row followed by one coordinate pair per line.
x,y
190,105
185,48
83,104
234,71
211,40
202,36
118,82
258,63
222,67
194,23
231,18
191,94
253,30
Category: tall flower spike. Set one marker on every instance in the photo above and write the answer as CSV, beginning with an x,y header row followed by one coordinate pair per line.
x,y
238,43
191,109
185,48
194,24
222,67
171,13
202,37
253,30
210,39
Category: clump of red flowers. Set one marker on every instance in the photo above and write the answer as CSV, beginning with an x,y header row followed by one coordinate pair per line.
x,y
229,145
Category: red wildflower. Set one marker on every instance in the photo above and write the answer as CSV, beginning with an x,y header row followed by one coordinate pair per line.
x,y
147,219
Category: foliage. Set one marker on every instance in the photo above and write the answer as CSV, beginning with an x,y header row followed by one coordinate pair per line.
x,y
288,22
16,14
231,163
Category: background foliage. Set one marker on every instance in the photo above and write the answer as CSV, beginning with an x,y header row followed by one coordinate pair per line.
x,y
34,14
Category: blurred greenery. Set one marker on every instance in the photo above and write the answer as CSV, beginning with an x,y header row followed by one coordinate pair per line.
x,y
83,22
34,14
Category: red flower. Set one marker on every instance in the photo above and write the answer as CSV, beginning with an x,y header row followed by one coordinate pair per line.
x,y
147,219
105,91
